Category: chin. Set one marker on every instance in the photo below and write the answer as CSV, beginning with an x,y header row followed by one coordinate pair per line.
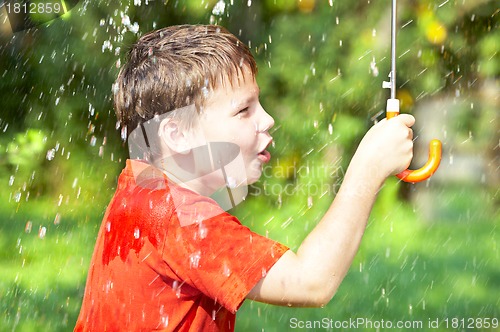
x,y
253,176
253,172
252,180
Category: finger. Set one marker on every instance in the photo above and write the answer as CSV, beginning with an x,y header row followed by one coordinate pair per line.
x,y
380,123
407,119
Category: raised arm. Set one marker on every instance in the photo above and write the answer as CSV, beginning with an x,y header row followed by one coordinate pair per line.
x,y
311,276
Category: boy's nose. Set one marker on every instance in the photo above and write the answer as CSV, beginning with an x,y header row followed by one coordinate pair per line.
x,y
266,121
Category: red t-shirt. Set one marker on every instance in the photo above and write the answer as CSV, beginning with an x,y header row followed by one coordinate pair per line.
x,y
151,272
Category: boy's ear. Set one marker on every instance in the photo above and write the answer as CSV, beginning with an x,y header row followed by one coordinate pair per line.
x,y
174,136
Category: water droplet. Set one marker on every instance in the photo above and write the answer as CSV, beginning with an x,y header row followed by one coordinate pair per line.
x,y
28,227
123,133
57,219
137,233
91,109
231,182
204,91
309,202
176,287
109,286
226,270
108,227
125,20
106,45
374,68
134,28
42,231
11,180
194,260
203,231
219,8
164,321
51,154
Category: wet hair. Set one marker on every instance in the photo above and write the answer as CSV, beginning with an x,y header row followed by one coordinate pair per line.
x,y
175,67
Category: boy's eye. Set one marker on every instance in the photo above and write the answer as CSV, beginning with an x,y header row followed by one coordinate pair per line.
x,y
242,111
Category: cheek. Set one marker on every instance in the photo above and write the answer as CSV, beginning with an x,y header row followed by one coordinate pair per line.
x,y
247,143
243,135
240,131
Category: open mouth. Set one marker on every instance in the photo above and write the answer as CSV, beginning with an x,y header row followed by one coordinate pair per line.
x,y
264,155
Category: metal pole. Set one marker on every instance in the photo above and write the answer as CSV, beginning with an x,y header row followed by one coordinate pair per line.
x,y
393,50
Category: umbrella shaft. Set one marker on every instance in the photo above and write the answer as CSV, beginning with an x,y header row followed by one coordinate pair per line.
x,y
393,50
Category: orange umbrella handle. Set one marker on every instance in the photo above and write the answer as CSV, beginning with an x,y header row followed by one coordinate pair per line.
x,y
392,110
430,166
428,169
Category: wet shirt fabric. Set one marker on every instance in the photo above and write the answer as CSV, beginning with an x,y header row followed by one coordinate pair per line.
x,y
153,271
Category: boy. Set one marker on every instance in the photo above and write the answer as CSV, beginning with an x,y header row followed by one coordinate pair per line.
x,y
167,256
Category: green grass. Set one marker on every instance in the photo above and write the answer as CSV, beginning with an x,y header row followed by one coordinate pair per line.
x,y
43,277
406,269
410,270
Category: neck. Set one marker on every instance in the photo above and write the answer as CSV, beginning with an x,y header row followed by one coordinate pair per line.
x,y
187,180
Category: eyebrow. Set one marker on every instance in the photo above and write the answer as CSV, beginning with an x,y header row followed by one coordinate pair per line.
x,y
252,97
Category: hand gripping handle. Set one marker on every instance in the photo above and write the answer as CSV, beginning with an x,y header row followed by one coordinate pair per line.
x,y
432,163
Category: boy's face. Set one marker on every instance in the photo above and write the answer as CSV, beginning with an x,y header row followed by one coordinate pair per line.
x,y
234,114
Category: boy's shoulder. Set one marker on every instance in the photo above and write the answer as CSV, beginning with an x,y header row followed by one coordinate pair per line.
x,y
150,191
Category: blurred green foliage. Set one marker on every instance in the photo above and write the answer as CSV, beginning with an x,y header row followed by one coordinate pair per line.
x,y
321,65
